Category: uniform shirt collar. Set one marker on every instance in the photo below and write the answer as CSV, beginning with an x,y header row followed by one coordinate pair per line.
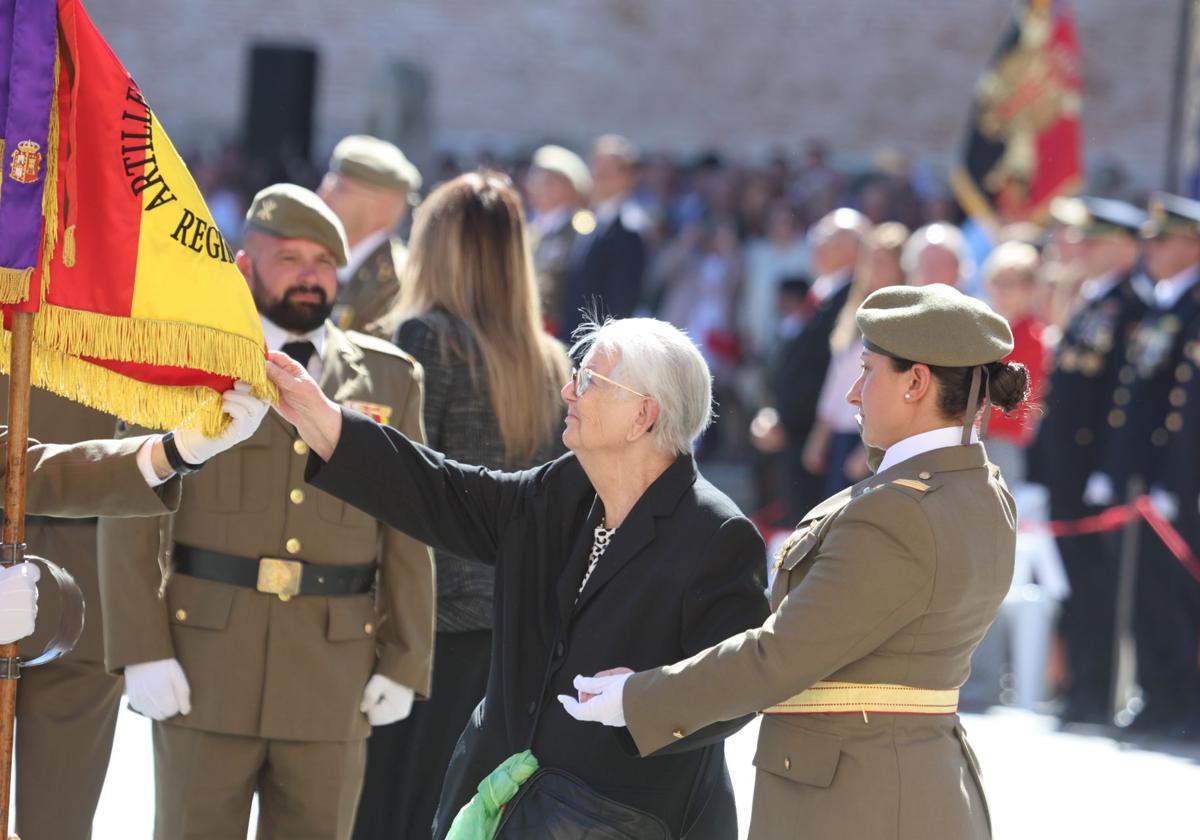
x,y
607,211
1168,292
1097,287
547,223
359,253
828,285
915,445
276,336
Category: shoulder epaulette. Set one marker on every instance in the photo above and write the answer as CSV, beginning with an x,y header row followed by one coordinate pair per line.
x,y
377,345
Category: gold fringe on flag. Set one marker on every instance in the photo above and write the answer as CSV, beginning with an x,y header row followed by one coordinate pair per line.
x,y
152,406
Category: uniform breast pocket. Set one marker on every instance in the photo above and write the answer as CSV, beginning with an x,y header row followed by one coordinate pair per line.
x,y
237,481
337,512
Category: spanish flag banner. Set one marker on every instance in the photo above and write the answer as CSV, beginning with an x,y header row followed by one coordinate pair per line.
x,y
1023,144
141,311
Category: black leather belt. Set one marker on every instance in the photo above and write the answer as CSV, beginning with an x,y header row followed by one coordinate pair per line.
x,y
285,577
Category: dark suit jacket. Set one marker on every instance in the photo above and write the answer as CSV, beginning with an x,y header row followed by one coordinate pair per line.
x,y
1142,418
1079,392
685,570
606,268
796,381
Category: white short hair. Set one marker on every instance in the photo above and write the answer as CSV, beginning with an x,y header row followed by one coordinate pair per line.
x,y
1014,256
659,360
944,235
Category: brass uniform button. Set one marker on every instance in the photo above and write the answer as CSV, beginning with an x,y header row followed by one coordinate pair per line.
x,y
1126,376
1121,396
1174,421
787,764
924,476
293,546
181,615
1084,436
1178,397
300,447
368,628
678,733
283,596
1183,372
1159,437
1116,418
297,496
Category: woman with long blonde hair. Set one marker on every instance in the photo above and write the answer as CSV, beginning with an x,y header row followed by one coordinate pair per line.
x,y
469,313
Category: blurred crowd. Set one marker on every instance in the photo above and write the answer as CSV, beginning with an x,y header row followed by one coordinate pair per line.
x,y
764,266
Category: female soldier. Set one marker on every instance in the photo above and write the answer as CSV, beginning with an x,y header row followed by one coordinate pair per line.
x,y
880,597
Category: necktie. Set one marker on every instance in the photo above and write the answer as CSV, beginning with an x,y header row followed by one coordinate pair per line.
x,y
301,351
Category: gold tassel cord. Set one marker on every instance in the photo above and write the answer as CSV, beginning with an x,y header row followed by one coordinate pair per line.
x,y
50,188
152,406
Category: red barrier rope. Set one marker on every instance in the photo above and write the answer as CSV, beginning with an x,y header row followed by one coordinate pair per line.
x,y
1110,519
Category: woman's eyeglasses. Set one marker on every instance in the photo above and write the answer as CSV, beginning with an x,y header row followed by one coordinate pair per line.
x,y
582,379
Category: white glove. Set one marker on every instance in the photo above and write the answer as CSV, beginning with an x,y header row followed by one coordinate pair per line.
x,y
606,707
18,601
245,412
159,689
1164,503
1099,490
385,701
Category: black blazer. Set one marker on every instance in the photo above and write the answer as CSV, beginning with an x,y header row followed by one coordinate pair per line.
x,y
606,268
802,364
685,570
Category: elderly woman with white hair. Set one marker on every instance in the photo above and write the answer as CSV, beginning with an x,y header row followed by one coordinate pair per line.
x,y
618,551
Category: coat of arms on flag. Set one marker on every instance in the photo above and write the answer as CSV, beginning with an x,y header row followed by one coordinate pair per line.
x,y
1023,142
140,309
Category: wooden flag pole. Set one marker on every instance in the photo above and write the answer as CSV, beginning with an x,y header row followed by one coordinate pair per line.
x,y
14,535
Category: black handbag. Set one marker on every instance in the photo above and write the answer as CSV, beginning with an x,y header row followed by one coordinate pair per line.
x,y
554,805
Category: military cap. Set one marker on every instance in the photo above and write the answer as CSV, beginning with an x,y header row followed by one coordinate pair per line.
x,y
934,324
292,212
375,162
1098,217
566,163
1172,214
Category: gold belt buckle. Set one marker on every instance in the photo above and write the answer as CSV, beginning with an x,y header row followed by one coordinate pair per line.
x,y
279,577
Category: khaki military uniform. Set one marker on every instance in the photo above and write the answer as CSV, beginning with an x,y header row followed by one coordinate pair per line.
x,y
368,299
276,681
69,706
892,582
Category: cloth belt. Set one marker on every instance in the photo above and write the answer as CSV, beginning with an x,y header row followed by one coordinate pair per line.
x,y
826,698
274,575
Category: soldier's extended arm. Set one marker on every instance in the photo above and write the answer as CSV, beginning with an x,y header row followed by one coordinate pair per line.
x,y
874,574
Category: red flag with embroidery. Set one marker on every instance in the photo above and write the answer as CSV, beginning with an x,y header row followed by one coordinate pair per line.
x,y
141,311
1024,140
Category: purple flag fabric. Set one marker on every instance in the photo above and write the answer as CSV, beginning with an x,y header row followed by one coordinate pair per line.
x,y
28,35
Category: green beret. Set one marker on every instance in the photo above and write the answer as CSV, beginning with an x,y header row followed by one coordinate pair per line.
x,y
935,324
566,163
292,212
375,162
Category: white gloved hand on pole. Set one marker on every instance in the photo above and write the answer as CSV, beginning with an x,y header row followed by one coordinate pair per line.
x,y
245,413
386,701
1099,490
607,706
159,689
18,601
1164,502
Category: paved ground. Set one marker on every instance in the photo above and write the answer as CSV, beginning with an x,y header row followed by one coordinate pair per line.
x,y
1041,783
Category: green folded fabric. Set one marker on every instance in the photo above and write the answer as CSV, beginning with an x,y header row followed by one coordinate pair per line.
x,y
479,818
